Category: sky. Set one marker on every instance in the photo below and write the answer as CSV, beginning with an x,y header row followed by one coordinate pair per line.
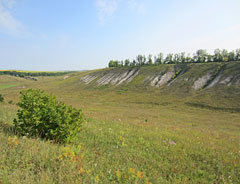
x,y
53,35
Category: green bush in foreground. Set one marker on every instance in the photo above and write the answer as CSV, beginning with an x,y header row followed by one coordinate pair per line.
x,y
1,98
42,115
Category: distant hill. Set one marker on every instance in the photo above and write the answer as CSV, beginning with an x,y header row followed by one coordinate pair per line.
x,y
186,77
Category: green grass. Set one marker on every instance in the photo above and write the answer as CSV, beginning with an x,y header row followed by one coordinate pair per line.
x,y
7,86
131,136
162,155
29,71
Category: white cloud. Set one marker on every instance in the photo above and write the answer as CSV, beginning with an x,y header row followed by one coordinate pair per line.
x,y
8,24
234,28
137,6
64,39
105,9
8,3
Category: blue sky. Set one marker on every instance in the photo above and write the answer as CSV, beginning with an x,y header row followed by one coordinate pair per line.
x,y
86,34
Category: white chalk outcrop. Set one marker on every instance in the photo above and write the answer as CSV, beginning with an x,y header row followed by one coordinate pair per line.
x,y
88,78
112,77
160,79
117,78
201,82
226,80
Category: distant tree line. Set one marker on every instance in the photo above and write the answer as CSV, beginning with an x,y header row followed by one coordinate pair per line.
x,y
201,56
32,74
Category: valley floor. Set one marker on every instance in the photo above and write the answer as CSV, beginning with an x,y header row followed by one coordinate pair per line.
x,y
129,137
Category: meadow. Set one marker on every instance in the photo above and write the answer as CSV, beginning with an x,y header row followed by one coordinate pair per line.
x,y
130,135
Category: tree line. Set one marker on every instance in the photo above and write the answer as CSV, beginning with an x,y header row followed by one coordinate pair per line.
x,y
31,74
201,56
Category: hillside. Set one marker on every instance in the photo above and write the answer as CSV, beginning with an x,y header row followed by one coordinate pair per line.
x,y
202,84
154,124
197,76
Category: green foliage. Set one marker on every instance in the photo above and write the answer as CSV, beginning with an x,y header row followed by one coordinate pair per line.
x,y
1,98
201,56
41,115
177,73
116,63
32,74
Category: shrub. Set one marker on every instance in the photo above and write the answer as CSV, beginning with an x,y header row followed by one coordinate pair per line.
x,y
42,115
1,98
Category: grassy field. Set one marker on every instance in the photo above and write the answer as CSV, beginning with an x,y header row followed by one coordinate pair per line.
x,y
29,71
131,135
7,86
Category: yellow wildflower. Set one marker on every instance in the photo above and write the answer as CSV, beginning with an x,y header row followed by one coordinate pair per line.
x,y
147,181
131,171
60,157
81,170
140,174
97,179
13,141
65,154
16,141
118,174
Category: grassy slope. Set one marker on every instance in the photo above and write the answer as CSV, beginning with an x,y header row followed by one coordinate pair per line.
x,y
131,136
